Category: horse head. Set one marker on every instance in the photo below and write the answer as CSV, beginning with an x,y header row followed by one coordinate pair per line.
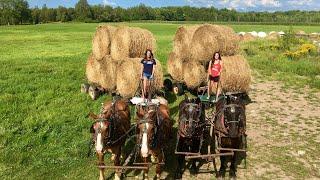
x,y
190,116
234,116
146,127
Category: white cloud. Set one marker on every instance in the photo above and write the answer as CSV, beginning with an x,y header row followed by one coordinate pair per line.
x,y
109,3
300,2
274,3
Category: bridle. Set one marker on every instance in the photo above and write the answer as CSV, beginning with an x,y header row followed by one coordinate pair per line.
x,y
146,119
191,122
233,109
109,122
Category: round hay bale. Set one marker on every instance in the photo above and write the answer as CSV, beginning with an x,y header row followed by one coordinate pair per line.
x,y
131,42
262,34
129,78
194,74
158,74
174,66
236,74
108,73
301,32
208,39
254,33
92,70
248,37
101,42
273,36
182,40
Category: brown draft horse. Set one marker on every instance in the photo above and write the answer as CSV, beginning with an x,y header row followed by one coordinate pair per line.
x,y
109,131
154,128
230,126
190,131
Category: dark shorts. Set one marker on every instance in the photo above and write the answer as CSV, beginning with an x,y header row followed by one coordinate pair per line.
x,y
214,79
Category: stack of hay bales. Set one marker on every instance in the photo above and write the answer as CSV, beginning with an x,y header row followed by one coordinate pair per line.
x,y
189,64
114,63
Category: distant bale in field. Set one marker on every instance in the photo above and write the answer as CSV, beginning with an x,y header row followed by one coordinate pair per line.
x,y
242,33
262,34
194,74
281,33
235,75
174,66
101,42
247,37
92,72
301,32
254,33
208,39
129,74
273,36
131,42
182,40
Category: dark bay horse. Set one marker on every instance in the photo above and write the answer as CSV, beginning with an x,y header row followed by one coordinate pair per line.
x,y
190,130
154,130
109,131
230,126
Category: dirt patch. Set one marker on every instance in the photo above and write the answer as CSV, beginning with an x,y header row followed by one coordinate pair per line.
x,y
283,134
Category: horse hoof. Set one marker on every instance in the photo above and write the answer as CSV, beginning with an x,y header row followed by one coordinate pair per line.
x,y
178,176
233,177
153,159
158,176
145,177
113,157
116,177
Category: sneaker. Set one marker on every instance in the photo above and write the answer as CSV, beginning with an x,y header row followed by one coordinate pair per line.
x,y
208,97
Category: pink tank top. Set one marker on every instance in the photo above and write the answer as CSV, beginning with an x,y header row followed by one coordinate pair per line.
x,y
215,69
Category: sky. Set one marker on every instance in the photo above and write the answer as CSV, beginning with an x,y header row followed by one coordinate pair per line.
x,y
239,5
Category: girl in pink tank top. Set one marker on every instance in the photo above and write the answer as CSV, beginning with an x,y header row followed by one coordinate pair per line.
x,y
214,70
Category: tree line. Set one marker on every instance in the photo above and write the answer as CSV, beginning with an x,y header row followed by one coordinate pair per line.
x,y
19,12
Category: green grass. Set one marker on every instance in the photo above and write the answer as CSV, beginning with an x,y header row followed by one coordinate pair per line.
x,y
43,128
274,65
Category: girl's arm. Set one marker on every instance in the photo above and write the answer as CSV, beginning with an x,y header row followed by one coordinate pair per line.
x,y
153,69
221,64
141,71
209,67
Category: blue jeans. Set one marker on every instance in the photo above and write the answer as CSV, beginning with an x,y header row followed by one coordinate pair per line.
x,y
148,76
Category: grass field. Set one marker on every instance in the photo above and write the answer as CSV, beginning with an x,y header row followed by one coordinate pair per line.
x,y
43,129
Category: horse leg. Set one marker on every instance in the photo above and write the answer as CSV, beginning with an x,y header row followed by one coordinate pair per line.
x,y
117,155
180,159
194,149
160,160
145,172
233,166
101,163
223,167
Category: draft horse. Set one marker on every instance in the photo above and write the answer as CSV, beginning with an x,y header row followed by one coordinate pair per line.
x,y
109,132
154,128
230,126
190,132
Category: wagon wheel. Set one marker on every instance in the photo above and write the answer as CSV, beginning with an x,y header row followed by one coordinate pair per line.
x,y
178,89
85,88
93,92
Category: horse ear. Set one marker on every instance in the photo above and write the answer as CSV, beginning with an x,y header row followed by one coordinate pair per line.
x,y
92,116
186,98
